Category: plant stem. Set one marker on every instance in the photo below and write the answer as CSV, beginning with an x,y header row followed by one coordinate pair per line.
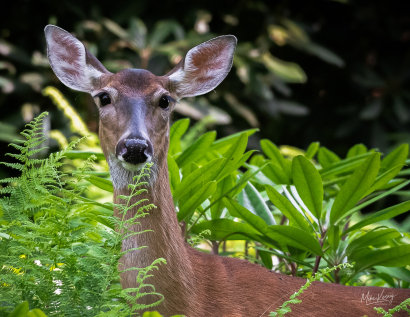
x,y
215,247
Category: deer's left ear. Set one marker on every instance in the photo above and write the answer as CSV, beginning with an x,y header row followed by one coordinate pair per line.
x,y
76,67
204,67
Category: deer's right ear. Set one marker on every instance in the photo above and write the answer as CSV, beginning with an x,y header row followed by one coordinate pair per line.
x,y
203,68
71,62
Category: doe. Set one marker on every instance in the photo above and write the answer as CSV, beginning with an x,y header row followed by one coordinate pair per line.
x,y
135,108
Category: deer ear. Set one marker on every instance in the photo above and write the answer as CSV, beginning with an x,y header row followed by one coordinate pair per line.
x,y
204,67
71,62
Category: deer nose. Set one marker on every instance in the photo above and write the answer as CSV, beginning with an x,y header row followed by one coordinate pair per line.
x,y
137,151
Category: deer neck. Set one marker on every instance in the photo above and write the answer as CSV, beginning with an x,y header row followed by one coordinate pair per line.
x,y
163,239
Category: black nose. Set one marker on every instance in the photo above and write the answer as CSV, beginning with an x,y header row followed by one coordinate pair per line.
x,y
136,151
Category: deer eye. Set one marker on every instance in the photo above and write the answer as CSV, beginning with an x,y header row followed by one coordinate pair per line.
x,y
104,99
164,102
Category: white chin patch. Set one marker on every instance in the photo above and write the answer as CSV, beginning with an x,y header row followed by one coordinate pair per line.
x,y
133,167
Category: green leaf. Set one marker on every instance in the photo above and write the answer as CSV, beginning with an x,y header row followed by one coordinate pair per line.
x,y
356,150
223,186
197,199
308,183
398,272
202,175
220,228
327,157
238,211
20,311
276,174
222,145
197,149
372,238
272,151
266,258
333,237
175,178
383,179
177,130
233,155
287,71
391,257
384,214
344,166
312,150
101,183
36,313
286,207
397,157
354,188
253,201
294,237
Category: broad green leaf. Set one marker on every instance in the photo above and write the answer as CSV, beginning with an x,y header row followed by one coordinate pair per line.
x,y
20,311
383,179
175,178
286,207
397,157
312,150
220,228
244,179
222,145
356,150
266,258
238,211
102,183
202,175
284,256
233,155
223,186
197,199
384,214
276,174
257,160
397,272
253,201
84,155
308,183
294,237
196,149
354,188
177,130
36,313
372,238
327,157
391,257
333,237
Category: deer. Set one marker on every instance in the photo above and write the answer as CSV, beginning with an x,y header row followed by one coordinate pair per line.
x,y
135,109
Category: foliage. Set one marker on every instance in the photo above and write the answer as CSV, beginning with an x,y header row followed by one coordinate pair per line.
x,y
59,251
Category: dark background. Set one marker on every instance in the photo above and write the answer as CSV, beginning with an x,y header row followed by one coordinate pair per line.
x,y
345,80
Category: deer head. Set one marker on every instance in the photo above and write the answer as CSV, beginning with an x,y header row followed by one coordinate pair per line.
x,y
134,104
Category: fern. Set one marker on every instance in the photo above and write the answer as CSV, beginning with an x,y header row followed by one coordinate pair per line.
x,y
58,253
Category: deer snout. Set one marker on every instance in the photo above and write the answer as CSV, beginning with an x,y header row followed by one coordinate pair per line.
x,y
136,151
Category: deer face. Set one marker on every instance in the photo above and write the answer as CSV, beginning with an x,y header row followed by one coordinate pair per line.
x,y
134,104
